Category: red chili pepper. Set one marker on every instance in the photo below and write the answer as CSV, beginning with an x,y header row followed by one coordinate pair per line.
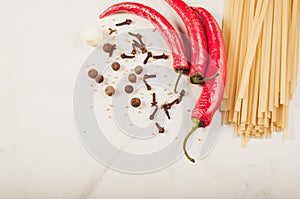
x,y
197,36
211,96
169,33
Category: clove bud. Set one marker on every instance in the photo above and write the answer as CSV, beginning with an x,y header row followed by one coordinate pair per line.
x,y
160,128
144,50
141,41
111,31
154,112
126,22
147,85
138,45
149,55
182,93
124,56
163,56
169,105
109,48
133,49
146,76
164,106
138,35
154,102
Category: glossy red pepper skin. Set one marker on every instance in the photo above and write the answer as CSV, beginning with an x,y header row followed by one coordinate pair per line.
x,y
212,92
211,96
169,33
197,37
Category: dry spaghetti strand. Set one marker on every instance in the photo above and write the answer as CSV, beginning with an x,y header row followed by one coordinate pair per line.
x,y
263,65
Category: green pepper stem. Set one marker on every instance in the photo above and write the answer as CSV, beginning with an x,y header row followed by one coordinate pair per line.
x,y
177,82
209,78
198,79
195,127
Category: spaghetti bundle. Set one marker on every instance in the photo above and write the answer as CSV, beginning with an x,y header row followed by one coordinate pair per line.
x,y
262,40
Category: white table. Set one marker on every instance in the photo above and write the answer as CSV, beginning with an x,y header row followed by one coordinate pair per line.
x,y
41,155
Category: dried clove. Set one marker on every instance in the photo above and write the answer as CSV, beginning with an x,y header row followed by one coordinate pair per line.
x,y
111,31
146,76
147,85
124,56
164,106
149,55
142,48
169,105
154,102
141,41
182,93
109,48
137,44
126,22
160,128
163,56
138,35
133,49
154,112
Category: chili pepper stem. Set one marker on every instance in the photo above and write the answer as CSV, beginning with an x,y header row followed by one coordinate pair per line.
x,y
185,142
198,79
197,124
211,77
177,82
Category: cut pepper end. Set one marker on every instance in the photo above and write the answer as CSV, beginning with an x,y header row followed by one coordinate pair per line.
x,y
197,79
201,124
182,70
196,122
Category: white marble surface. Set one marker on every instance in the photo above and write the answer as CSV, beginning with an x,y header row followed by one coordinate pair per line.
x,y
41,156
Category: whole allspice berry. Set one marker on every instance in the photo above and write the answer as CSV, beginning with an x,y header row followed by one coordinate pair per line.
x,y
128,89
132,78
99,79
92,73
108,47
138,70
115,66
110,91
135,102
